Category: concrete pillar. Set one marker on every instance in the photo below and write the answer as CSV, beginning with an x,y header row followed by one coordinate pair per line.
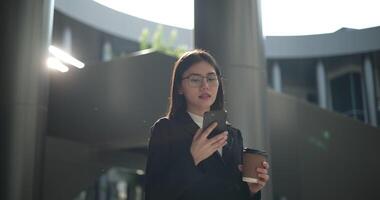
x,y
231,31
26,31
276,77
67,40
321,85
370,90
107,52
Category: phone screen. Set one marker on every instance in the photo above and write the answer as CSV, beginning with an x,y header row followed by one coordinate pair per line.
x,y
219,116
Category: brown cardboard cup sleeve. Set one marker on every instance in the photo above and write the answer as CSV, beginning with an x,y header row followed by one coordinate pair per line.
x,y
252,159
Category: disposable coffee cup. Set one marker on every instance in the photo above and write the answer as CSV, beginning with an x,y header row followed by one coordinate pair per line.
x,y
252,159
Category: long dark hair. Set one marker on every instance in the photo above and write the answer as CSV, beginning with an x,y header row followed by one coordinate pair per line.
x,y
177,102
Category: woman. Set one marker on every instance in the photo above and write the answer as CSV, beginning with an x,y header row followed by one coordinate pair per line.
x,y
183,163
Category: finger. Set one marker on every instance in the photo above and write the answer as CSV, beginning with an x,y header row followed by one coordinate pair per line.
x,y
262,170
210,151
218,137
264,177
217,146
197,134
261,183
217,141
266,165
209,129
222,145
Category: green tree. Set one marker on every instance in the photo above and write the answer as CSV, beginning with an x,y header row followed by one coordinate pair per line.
x,y
158,43
144,37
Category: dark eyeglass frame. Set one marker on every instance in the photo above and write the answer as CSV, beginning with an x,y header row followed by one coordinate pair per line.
x,y
207,77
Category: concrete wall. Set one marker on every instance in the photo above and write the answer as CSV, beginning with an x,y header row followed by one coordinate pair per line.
x,y
87,42
342,42
317,154
112,104
71,167
116,23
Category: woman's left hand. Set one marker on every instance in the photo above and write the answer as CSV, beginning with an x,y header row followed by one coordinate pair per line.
x,y
263,178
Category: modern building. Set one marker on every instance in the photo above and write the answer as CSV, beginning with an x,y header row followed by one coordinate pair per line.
x,y
323,102
338,71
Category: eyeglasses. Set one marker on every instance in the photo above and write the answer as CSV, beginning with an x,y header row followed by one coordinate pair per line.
x,y
195,80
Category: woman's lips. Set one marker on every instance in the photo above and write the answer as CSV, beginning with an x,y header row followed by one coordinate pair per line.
x,y
205,96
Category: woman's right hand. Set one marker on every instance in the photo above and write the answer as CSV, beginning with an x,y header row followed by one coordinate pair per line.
x,y
202,147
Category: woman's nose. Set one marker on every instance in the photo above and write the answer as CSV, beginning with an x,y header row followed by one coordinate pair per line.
x,y
204,83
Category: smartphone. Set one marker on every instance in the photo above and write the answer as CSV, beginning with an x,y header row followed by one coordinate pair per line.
x,y
219,116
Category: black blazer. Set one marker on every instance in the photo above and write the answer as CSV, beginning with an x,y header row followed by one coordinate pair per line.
x,y
172,175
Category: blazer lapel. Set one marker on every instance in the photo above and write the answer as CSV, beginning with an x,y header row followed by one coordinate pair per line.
x,y
227,149
187,123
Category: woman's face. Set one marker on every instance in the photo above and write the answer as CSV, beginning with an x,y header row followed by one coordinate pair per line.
x,y
199,86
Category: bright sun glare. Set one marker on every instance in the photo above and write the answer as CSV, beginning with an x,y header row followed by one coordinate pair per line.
x,y
290,17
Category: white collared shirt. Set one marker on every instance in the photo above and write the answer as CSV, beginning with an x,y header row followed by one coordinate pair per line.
x,y
199,121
